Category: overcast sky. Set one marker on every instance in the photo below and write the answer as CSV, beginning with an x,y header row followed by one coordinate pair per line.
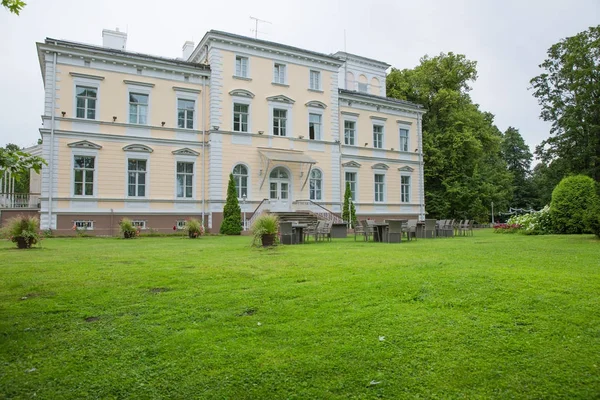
x,y
508,39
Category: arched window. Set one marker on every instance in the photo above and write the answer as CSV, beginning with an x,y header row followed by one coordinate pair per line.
x,y
363,84
240,176
375,88
350,85
316,184
279,173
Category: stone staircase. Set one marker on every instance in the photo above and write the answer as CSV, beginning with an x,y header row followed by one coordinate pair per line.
x,y
302,217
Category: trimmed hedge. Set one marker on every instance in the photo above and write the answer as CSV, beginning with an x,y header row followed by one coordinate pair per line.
x,y
574,202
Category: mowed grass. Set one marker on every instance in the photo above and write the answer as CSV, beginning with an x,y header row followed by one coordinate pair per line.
x,y
489,316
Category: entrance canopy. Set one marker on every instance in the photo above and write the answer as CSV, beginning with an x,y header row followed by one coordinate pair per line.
x,y
269,155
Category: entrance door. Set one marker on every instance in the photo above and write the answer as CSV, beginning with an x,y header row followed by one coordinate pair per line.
x,y
279,190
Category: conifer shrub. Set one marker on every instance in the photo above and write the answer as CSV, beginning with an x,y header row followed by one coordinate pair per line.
x,y
574,200
232,213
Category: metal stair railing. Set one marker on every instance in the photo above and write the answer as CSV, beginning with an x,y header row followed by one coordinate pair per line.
x,y
258,211
318,210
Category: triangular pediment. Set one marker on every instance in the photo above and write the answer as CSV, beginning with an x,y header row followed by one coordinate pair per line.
x,y
281,99
406,168
352,164
85,144
316,104
185,152
380,166
140,148
242,93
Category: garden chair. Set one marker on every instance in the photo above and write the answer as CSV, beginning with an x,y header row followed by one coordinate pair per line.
x,y
457,226
368,229
410,229
464,226
469,228
325,230
358,230
318,227
430,230
309,231
395,229
288,234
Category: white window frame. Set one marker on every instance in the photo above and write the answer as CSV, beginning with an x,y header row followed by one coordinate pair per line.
x,y
409,188
289,120
358,86
85,224
248,185
282,129
191,160
407,129
137,156
382,133
91,83
321,189
84,153
180,224
356,174
316,111
139,223
355,137
280,81
243,101
235,63
186,96
319,86
383,188
138,114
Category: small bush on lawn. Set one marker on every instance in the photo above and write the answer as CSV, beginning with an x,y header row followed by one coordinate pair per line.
x,y
128,229
572,201
23,230
506,228
535,223
194,228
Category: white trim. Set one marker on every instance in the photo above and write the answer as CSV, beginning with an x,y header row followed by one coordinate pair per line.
x,y
248,180
349,118
235,75
289,117
319,87
86,82
410,186
137,156
186,95
135,88
85,153
400,128
355,171
285,73
241,100
378,122
321,112
186,159
322,184
380,172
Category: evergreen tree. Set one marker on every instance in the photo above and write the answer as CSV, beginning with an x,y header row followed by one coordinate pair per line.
x,y
232,214
349,211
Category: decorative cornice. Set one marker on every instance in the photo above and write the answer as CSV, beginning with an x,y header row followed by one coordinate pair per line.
x,y
139,148
137,83
242,93
352,164
187,90
378,118
84,144
380,166
281,99
404,122
316,104
406,168
185,152
86,76
351,114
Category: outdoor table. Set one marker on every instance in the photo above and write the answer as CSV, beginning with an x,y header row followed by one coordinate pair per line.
x,y
299,229
380,228
339,230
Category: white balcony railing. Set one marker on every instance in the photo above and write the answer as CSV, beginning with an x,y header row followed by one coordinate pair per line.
x,y
19,200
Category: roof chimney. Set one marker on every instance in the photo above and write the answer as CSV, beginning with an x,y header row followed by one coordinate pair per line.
x,y
114,39
188,49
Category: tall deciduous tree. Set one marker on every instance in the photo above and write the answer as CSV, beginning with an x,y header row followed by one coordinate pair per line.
x,y
518,158
569,92
232,214
14,6
464,169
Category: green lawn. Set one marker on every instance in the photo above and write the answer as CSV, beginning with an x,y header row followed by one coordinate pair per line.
x,y
489,316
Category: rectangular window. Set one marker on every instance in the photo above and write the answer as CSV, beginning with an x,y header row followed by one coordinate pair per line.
x,y
314,126
181,223
138,108
84,225
139,224
240,117
136,177
349,132
185,113
185,180
379,187
279,122
405,189
351,179
403,139
315,80
363,87
279,73
86,102
241,66
378,136
83,184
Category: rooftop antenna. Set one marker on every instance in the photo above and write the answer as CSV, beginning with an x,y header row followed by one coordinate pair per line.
x,y
256,21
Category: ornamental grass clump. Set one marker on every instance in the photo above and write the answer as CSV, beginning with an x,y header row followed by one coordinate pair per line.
x,y
23,230
265,229
128,229
194,228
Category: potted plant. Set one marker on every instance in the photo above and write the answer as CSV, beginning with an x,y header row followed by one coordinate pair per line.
x,y
194,228
265,229
127,229
23,230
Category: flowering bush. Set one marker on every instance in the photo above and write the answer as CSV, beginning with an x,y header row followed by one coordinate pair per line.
x,y
535,223
506,228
